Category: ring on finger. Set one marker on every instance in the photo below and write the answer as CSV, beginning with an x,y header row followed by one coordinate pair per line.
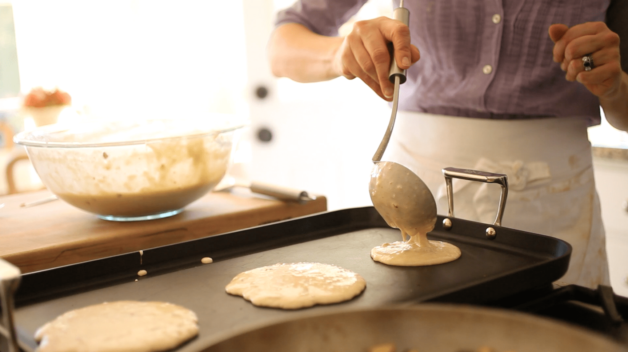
x,y
587,61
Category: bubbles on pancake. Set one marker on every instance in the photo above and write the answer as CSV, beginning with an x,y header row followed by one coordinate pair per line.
x,y
296,285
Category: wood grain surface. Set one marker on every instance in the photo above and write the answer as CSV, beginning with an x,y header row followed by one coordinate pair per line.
x,y
55,233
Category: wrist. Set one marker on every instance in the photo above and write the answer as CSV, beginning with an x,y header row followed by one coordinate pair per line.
x,y
616,105
334,61
617,95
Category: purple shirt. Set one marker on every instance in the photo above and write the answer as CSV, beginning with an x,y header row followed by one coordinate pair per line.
x,y
486,59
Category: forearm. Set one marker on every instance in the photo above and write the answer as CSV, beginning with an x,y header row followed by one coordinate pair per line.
x,y
616,106
301,55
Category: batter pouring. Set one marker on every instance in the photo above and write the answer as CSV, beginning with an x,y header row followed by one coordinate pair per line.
x,y
401,208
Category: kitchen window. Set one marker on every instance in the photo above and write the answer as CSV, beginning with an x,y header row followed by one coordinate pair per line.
x,y
137,58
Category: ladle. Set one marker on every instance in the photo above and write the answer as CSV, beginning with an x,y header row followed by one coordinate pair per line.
x,y
398,194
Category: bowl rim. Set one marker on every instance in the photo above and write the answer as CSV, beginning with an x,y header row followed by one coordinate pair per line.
x,y
23,138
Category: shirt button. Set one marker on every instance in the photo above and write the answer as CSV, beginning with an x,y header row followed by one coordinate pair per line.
x,y
497,18
487,69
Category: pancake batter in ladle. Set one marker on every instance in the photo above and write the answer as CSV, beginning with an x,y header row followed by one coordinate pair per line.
x,y
405,202
402,199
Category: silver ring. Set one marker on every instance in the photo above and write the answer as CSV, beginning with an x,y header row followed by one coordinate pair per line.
x,y
587,61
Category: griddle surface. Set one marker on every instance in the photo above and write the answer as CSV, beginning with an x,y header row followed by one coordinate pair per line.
x,y
486,270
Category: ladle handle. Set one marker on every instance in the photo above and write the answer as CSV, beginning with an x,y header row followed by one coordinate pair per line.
x,y
397,76
402,15
478,176
379,153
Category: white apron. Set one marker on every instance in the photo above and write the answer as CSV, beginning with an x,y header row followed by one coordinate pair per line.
x,y
550,178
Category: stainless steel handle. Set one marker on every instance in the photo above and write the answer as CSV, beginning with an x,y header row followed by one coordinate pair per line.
x,y
397,76
402,15
379,153
9,281
479,176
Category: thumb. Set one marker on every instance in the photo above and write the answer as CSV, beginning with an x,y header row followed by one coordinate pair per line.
x,y
416,54
556,31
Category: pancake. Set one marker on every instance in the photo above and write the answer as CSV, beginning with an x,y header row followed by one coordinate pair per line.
x,y
296,285
416,251
128,326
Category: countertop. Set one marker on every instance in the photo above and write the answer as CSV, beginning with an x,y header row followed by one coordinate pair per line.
x,y
611,153
56,234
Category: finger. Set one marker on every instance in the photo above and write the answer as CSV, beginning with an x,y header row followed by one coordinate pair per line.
x,y
416,54
377,49
347,62
399,34
589,28
600,75
351,69
605,56
361,56
349,76
590,44
574,67
556,31
373,84
580,47
346,73
599,58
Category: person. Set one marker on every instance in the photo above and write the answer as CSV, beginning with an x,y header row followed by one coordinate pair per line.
x,y
507,87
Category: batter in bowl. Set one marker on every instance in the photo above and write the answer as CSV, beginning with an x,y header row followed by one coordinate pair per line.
x,y
134,170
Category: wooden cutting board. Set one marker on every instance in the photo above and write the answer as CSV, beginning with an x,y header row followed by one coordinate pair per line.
x,y
55,233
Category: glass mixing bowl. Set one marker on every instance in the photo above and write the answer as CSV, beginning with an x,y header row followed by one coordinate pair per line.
x,y
128,171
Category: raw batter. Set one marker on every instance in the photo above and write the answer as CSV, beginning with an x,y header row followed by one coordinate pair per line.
x,y
128,326
155,177
139,203
416,251
296,285
401,209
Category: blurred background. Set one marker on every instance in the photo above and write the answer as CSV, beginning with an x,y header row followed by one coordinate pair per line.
x,y
142,59
149,59
145,59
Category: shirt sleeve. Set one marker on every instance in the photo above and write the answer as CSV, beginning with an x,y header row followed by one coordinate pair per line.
x,y
616,16
323,17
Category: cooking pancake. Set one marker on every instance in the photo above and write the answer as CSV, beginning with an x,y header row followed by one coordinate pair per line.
x,y
416,251
127,326
296,285
397,197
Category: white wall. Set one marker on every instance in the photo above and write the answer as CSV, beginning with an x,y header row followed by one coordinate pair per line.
x,y
611,178
135,58
324,134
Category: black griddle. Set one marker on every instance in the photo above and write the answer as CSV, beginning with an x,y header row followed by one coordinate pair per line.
x,y
488,270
